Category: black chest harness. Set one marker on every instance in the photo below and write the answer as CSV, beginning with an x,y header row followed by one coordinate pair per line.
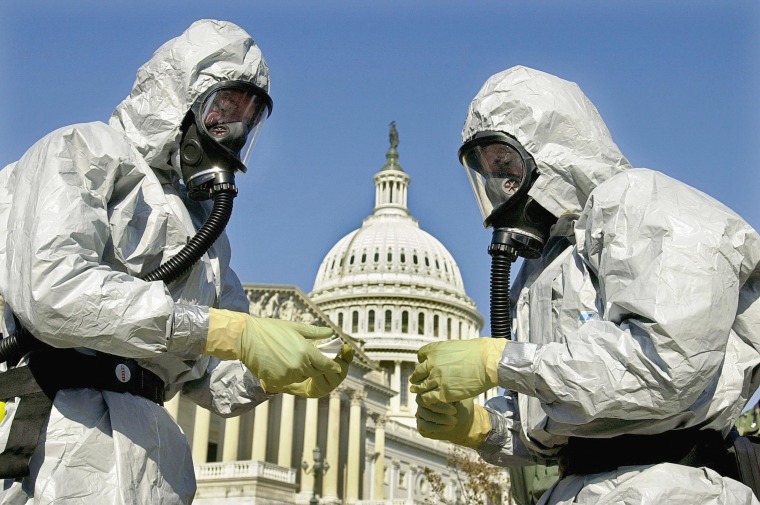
x,y
50,370
736,457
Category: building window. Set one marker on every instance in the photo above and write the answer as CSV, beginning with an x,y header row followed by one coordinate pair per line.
x,y
460,331
405,322
354,322
211,450
364,257
414,259
421,324
390,256
403,256
377,257
404,393
351,261
436,320
448,328
427,261
370,321
340,320
388,319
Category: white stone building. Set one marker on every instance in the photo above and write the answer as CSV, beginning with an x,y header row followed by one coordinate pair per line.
x,y
387,288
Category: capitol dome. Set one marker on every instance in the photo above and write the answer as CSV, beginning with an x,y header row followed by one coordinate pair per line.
x,y
391,284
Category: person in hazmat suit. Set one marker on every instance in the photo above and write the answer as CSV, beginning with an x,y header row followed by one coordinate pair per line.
x,y
115,267
635,316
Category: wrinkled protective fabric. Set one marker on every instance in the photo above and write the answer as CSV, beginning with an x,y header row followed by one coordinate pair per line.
x,y
85,212
642,318
558,126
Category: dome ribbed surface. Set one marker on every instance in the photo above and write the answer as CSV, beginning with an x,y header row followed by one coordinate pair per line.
x,y
390,249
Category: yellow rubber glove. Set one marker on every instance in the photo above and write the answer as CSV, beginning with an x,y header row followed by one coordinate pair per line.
x,y
455,370
321,385
276,351
463,423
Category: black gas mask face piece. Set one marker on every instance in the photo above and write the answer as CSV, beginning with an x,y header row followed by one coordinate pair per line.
x,y
501,173
218,134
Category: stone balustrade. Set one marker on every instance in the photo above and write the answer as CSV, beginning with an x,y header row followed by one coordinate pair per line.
x,y
244,469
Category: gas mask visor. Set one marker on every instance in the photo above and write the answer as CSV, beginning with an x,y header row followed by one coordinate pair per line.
x,y
232,114
219,133
500,171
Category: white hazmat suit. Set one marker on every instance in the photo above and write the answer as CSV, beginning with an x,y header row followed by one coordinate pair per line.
x,y
84,213
641,317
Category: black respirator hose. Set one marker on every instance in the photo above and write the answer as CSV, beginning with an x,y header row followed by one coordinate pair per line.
x,y
13,347
199,244
501,317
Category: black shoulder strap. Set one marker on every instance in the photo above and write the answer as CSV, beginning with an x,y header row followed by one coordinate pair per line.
x,y
32,411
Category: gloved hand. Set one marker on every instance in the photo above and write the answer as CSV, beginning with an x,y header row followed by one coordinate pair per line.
x,y
462,423
454,370
321,385
276,351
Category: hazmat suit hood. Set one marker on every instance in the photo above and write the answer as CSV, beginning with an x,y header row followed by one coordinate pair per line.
x,y
557,125
178,73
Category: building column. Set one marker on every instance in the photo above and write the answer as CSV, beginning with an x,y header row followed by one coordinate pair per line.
x,y
231,439
354,446
393,478
378,487
330,478
309,443
285,448
396,386
410,483
200,435
260,427
172,406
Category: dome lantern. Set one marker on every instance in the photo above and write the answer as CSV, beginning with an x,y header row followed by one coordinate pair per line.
x,y
391,183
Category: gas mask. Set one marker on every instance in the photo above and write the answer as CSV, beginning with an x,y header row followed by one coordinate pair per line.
x,y
501,173
219,132
223,123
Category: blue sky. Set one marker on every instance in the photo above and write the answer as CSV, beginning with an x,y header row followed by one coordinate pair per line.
x,y
677,82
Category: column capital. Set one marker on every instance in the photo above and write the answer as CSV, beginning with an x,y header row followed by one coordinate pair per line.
x,y
380,421
337,393
357,397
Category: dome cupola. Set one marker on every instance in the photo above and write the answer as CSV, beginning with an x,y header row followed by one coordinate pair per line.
x,y
390,283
